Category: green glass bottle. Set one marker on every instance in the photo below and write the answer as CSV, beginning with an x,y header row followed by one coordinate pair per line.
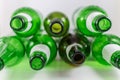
x,y
74,49
56,24
11,51
41,51
106,50
25,21
92,20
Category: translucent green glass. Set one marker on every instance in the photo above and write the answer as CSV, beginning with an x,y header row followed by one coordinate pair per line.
x,y
56,28
99,43
101,23
104,24
11,51
56,24
81,20
39,59
115,59
77,54
16,23
25,21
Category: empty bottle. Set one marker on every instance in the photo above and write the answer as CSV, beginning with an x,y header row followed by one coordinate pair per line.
x,y
74,49
92,20
25,21
11,51
56,24
106,50
41,51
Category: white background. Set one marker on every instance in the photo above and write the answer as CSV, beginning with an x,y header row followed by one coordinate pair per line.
x,y
58,70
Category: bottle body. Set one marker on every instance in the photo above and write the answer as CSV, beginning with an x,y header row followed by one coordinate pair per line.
x,y
25,21
92,20
11,51
56,24
41,51
74,49
106,50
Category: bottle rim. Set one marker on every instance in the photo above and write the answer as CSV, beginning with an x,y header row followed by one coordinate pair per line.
x,y
56,21
105,22
22,21
78,58
35,59
1,64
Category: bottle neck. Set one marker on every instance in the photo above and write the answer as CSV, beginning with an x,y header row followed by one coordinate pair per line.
x,y
115,59
75,55
6,53
97,22
56,26
40,52
111,53
101,23
21,22
37,60
1,64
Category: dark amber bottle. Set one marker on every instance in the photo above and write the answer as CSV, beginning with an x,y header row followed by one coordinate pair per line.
x,y
74,48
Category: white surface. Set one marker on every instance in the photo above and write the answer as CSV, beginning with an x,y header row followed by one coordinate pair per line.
x,y
60,71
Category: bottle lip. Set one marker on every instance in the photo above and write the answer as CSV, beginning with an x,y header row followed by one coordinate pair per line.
x,y
115,59
59,23
103,21
116,63
21,21
37,62
1,64
78,58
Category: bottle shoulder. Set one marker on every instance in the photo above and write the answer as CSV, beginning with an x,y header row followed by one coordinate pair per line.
x,y
74,38
100,43
56,14
90,9
42,39
27,11
107,38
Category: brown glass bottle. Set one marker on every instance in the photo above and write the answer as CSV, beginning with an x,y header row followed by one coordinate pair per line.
x,y
74,49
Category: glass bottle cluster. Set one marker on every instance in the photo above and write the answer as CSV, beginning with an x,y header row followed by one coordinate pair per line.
x,y
74,47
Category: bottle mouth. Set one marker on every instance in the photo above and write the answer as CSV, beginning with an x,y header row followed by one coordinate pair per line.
x,y
17,23
115,59
116,62
103,24
37,62
1,64
56,27
78,58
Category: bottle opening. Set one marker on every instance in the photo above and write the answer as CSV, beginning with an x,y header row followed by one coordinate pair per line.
x,y
56,27
37,62
118,63
78,58
17,23
1,64
115,59
103,24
